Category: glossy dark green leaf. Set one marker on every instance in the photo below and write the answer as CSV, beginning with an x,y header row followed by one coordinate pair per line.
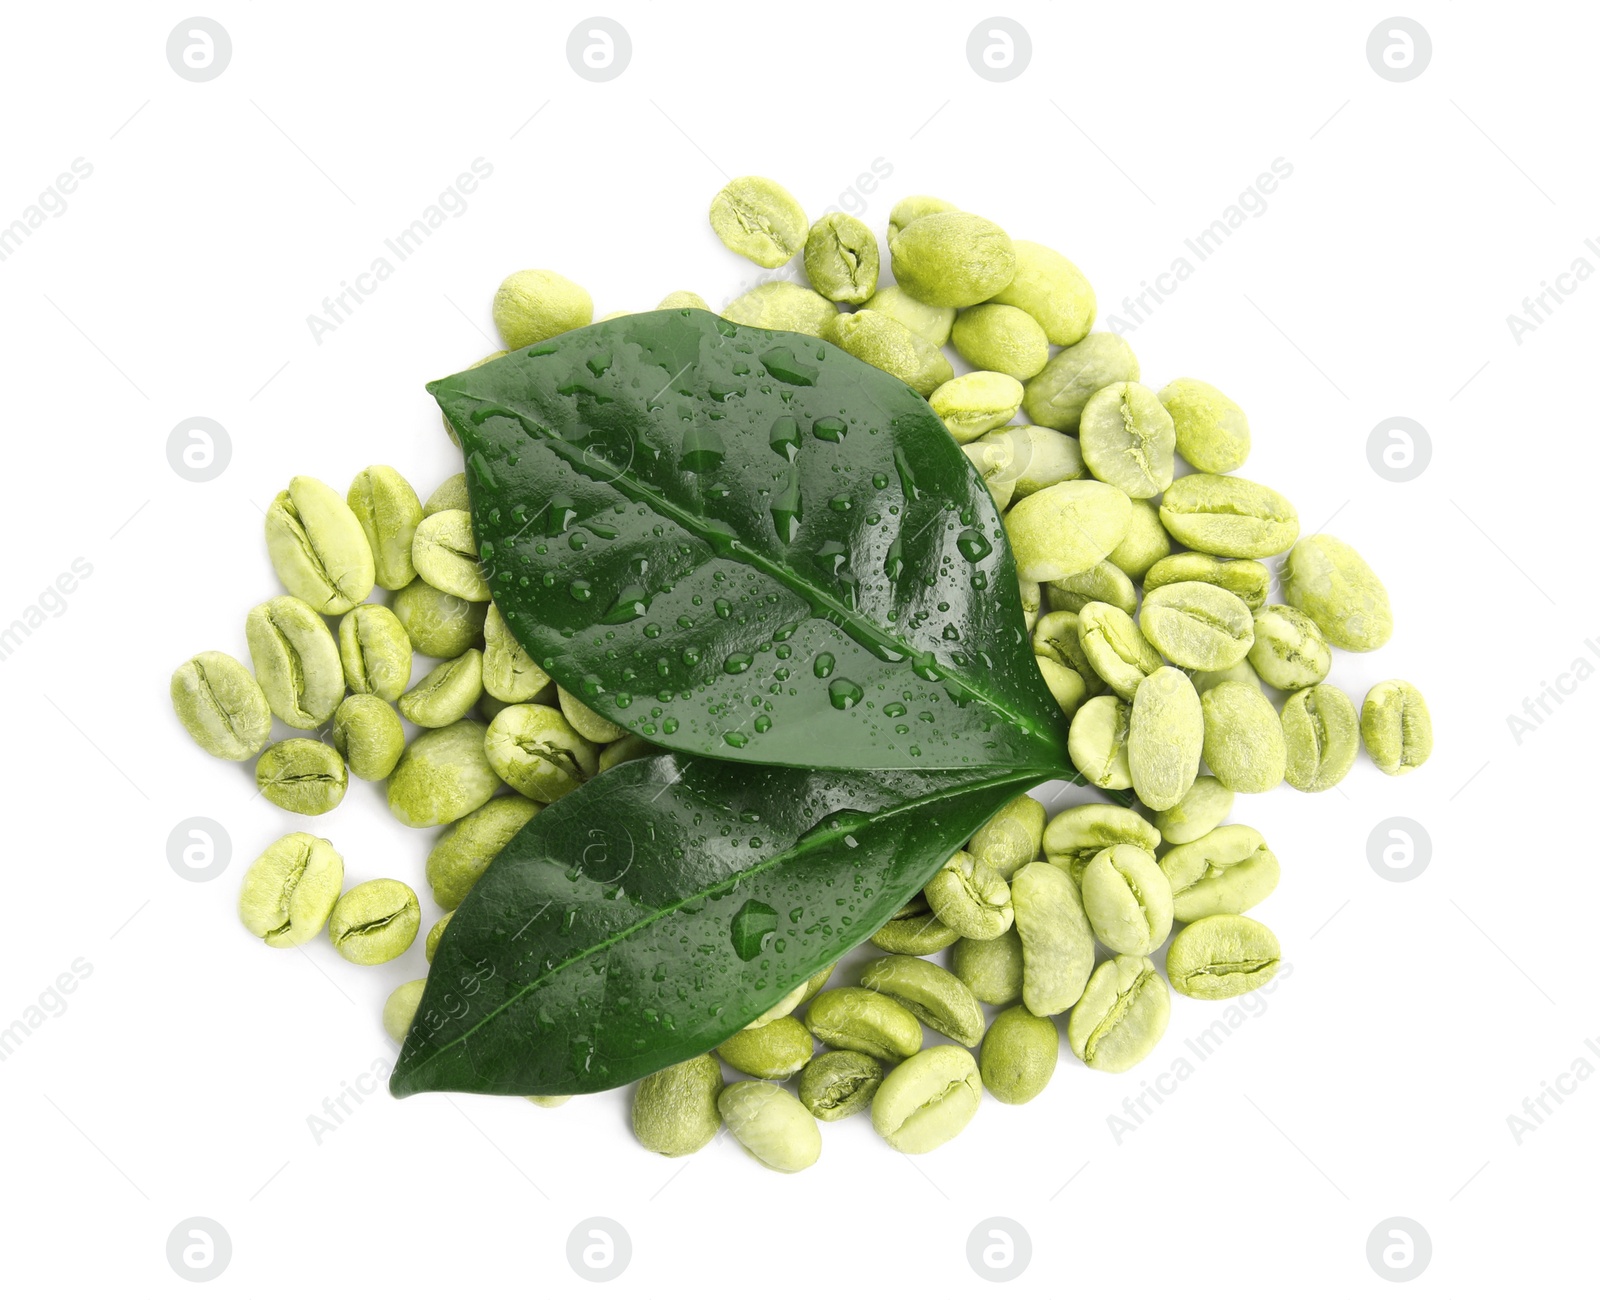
x,y
750,545
663,906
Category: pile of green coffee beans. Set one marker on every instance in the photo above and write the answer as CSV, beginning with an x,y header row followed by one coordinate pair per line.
x,y
1147,600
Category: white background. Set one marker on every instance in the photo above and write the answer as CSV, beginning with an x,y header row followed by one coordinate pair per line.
x,y
178,1080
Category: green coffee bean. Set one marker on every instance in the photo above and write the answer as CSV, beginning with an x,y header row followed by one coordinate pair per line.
x,y
1212,432
1019,1055
926,1101
914,936
1289,651
1249,580
815,984
1127,441
1057,943
970,897
437,623
375,922
451,494
1240,672
375,652
1010,839
1144,543
221,705
1197,625
463,853
1396,727
1244,743
790,1000
782,305
841,257
549,1103
1000,338
972,404
387,508
368,735
1225,872
839,1084
430,944
930,323
535,751
1166,731
883,342
1031,600
1229,516
447,693
1052,291
532,306
1205,807
302,776
1074,838
774,1050
930,993
317,547
675,1109
1127,900
1064,684
1040,457
771,1125
991,968
1321,735
1097,743
446,555
1115,647
1332,583
509,672
993,460
1222,957
296,661
1104,582
625,750
288,892
952,259
585,721
1122,1015
442,776
1056,636
400,1009
679,299
860,1020
1066,528
914,206
759,219
1056,396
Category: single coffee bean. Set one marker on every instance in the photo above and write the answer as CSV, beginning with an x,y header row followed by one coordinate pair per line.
x,y
860,1020
1222,957
1222,515
437,623
375,922
368,735
625,750
1122,1015
928,322
1197,625
952,259
930,993
1064,685
549,1103
1116,649
974,403
296,661
675,1109
221,705
288,892
1056,396
302,776
782,305
1051,290
1249,580
1032,598
1097,742
771,1125
913,207
375,652
1289,651
993,460
841,257
1104,582
838,1084
790,1000
1127,440
1321,736
1244,745
400,1009
815,984
532,306
442,776
452,494
1145,542
1332,583
927,1100
1057,943
1040,457
317,547
445,553
1205,807
1225,872
1128,900
463,853
1019,1055
585,721
447,693
1212,432
759,219
678,299
509,672
971,898
883,342
430,943
387,508
535,751
1057,635
774,1050
1240,672
1074,838
1004,339
991,968
1010,839
1166,732
914,936
1396,727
